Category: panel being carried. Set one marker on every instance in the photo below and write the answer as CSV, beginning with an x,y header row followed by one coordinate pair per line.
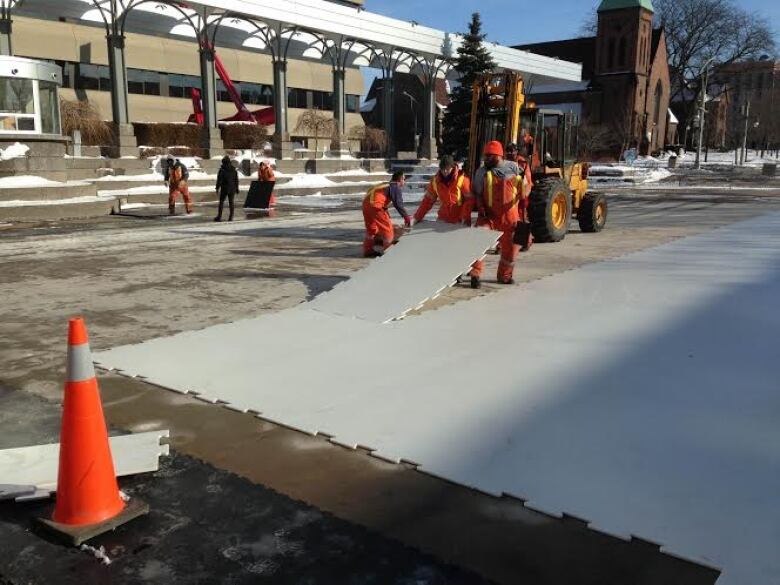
x,y
422,265
37,465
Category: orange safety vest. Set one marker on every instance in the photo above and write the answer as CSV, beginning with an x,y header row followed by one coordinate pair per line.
x,y
377,196
176,176
501,195
455,198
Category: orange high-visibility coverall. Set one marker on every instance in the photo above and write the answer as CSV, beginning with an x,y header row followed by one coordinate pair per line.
x,y
379,226
527,185
178,185
498,209
455,202
266,175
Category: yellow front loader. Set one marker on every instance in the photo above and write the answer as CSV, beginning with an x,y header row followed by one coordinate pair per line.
x,y
548,141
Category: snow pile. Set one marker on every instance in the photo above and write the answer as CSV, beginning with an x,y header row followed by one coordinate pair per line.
x,y
16,150
68,201
647,171
24,181
154,176
308,181
352,172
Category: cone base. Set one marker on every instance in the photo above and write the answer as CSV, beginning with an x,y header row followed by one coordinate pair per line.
x,y
75,535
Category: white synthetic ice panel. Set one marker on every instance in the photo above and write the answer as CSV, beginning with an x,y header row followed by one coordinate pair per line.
x,y
37,465
639,393
420,266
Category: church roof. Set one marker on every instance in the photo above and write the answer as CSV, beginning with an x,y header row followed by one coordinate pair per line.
x,y
619,4
581,50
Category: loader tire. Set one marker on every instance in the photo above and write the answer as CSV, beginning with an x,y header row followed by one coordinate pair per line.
x,y
550,210
592,215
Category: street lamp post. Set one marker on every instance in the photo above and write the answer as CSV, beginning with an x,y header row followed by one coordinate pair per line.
x,y
413,102
702,112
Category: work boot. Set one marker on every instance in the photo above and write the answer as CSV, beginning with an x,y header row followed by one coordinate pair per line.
x,y
217,218
476,282
373,254
510,281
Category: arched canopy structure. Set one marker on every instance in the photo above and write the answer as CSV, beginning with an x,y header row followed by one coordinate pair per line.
x,y
322,30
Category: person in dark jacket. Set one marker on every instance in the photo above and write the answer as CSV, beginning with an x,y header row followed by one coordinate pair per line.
x,y
227,187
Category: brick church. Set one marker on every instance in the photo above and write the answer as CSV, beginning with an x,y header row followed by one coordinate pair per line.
x,y
624,95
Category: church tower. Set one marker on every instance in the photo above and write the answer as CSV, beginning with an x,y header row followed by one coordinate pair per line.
x,y
623,61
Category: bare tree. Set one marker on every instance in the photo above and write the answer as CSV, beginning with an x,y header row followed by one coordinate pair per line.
x,y
372,140
590,25
595,140
317,125
699,32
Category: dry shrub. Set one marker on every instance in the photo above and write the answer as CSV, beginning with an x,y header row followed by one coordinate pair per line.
x,y
373,141
167,135
85,117
244,136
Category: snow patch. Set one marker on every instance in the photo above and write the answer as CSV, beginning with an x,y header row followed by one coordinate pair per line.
x,y
68,201
16,150
98,553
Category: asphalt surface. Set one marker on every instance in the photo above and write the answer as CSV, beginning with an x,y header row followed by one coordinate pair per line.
x,y
236,482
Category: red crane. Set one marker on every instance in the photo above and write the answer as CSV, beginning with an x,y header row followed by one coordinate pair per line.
x,y
264,116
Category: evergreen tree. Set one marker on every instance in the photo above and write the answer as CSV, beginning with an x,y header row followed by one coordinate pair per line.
x,y
473,60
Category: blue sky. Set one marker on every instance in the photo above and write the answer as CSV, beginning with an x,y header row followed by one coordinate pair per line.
x,y
504,22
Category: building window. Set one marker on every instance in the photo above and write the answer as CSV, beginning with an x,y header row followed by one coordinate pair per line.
x,y
142,82
222,93
353,104
297,98
257,94
180,85
658,93
94,77
50,107
17,105
322,100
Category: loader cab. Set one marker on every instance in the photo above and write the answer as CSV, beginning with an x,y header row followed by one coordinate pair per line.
x,y
550,139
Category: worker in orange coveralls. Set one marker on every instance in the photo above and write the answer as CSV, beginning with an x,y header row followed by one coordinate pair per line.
x,y
379,226
497,189
514,155
452,189
176,175
267,178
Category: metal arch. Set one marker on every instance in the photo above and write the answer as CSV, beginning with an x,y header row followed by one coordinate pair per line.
x,y
266,34
341,48
6,6
389,57
112,12
431,68
133,4
283,45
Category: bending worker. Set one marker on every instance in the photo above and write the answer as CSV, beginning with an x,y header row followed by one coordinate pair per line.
x,y
379,226
452,189
176,176
497,190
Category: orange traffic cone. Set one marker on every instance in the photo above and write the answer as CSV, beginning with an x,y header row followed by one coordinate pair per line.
x,y
88,499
